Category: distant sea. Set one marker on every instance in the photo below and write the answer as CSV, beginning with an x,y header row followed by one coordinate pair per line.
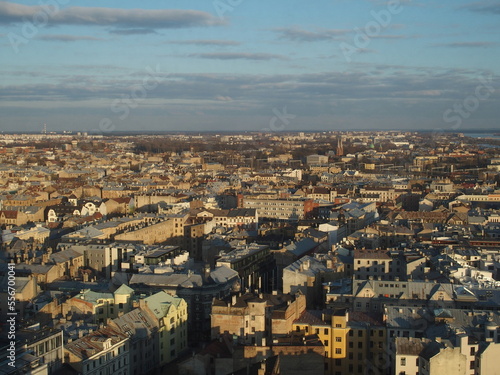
x,y
483,135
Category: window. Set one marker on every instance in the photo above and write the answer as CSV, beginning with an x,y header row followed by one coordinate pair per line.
x,y
360,345
338,339
472,350
326,331
403,361
326,342
338,351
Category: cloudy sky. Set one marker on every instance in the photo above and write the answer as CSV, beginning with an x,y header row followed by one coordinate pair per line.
x,y
249,65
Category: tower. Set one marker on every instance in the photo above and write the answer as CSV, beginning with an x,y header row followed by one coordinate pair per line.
x,y
340,147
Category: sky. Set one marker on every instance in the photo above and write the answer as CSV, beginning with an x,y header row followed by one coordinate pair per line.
x,y
249,65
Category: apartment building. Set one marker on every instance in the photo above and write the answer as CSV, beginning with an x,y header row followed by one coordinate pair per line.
x,y
171,314
103,305
355,343
46,344
254,264
256,318
105,351
281,209
196,289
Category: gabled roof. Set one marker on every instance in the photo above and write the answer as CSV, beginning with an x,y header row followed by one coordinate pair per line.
x,y
124,290
161,302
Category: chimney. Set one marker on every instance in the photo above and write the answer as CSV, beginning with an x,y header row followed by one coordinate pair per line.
x,y
233,299
262,368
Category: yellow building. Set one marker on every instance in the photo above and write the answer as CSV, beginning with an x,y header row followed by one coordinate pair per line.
x,y
355,343
172,315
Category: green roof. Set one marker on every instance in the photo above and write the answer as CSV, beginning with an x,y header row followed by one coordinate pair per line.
x,y
124,290
161,302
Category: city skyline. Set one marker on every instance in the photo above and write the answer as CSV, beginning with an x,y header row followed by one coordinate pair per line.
x,y
244,66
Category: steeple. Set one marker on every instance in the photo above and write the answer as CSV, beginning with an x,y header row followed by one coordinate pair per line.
x,y
340,147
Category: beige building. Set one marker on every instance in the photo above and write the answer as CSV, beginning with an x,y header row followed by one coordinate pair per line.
x,y
13,218
283,209
105,351
255,319
487,359
427,357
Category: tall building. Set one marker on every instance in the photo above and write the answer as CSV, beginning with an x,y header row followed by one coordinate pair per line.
x,y
355,343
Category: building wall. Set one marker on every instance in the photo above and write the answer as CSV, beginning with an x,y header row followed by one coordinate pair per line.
x,y
488,360
447,362
294,310
406,364
276,208
173,333
152,234
350,349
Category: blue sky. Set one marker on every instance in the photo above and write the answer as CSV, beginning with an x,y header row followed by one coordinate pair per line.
x,y
233,64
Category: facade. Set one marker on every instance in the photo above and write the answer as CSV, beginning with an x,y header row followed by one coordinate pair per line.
x,y
254,264
307,275
373,295
45,344
103,306
157,331
280,209
105,351
317,159
171,313
197,290
255,319
355,343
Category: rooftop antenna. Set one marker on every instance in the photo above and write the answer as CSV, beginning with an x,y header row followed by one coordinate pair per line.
x,y
44,131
